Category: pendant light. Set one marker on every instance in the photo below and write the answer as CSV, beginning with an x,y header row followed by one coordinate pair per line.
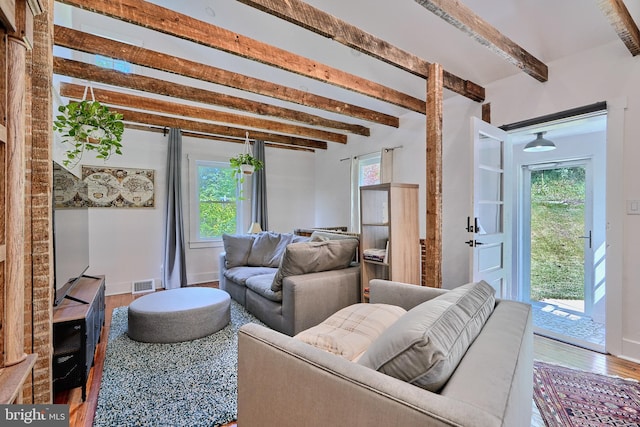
x,y
539,144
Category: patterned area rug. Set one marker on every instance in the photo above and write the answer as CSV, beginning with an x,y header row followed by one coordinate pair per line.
x,y
570,398
191,383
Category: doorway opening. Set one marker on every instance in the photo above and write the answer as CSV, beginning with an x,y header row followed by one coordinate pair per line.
x,y
560,227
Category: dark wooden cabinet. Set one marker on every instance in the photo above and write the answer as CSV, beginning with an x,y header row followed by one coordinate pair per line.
x,y
76,332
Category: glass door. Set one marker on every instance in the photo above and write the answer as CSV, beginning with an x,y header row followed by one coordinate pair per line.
x,y
558,236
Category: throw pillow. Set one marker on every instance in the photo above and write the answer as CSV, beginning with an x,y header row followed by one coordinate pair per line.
x,y
313,257
349,331
267,249
237,248
425,345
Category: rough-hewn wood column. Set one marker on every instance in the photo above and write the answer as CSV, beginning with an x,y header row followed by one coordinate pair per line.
x,y
433,263
41,201
14,279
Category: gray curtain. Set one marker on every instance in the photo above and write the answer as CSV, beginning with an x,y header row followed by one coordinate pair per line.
x,y
259,190
175,273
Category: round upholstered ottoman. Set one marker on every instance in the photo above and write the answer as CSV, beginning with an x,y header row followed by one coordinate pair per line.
x,y
176,315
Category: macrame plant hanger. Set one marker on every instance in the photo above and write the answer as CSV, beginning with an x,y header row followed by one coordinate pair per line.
x,y
90,88
247,169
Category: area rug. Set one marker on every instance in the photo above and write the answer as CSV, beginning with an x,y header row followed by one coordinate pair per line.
x,y
570,398
191,383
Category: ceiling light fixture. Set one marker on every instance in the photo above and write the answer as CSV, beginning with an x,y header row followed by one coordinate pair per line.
x,y
539,144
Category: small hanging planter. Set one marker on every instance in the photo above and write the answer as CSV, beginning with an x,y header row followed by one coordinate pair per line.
x,y
247,169
88,126
244,163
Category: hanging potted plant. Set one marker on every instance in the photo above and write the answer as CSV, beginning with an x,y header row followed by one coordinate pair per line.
x,y
244,163
89,126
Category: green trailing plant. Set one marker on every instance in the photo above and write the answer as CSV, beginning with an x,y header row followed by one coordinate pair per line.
x,y
89,126
239,161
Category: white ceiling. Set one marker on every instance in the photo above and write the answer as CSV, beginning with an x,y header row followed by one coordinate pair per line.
x,y
548,29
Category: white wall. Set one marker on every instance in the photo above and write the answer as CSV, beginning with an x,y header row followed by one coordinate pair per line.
x,y
126,244
333,173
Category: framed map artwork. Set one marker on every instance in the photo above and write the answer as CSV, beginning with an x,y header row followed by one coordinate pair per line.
x,y
118,187
102,187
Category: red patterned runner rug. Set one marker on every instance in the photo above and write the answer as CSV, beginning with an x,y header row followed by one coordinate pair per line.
x,y
571,398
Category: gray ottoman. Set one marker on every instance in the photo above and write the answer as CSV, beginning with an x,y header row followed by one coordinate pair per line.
x,y
176,315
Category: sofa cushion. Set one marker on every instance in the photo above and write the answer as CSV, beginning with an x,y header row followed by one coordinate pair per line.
x,y
426,344
237,248
241,274
267,249
261,285
350,331
313,257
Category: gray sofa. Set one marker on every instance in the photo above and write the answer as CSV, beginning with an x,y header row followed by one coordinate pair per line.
x,y
289,282
286,382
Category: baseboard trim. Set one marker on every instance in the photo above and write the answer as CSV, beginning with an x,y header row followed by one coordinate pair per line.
x,y
630,350
192,279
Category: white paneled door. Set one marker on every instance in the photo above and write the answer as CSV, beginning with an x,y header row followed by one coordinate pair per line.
x,y
486,226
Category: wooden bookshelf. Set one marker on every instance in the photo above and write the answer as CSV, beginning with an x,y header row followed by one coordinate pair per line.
x,y
389,220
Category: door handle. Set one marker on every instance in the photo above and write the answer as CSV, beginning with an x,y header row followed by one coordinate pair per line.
x,y
472,228
473,243
587,237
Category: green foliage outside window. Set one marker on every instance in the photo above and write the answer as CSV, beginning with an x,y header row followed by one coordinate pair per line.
x,y
217,201
557,221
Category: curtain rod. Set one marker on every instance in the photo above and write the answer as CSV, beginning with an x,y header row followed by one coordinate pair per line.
x,y
386,149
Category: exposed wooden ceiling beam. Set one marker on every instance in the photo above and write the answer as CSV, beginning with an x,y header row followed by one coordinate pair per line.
x,y
463,18
93,73
304,15
170,22
84,42
623,23
157,129
120,99
196,126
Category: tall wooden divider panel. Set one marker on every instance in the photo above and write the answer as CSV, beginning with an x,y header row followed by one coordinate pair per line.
x,y
389,220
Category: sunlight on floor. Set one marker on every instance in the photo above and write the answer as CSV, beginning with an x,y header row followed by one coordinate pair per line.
x,y
565,319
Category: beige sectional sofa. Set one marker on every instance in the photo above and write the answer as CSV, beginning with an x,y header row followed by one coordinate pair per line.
x,y
284,381
289,282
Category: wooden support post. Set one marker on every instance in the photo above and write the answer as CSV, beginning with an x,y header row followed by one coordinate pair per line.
x,y
486,112
433,263
15,200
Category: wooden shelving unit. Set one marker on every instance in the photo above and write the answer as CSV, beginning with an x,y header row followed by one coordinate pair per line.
x,y
76,332
389,220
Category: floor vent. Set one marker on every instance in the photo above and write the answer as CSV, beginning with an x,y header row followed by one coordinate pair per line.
x,y
142,286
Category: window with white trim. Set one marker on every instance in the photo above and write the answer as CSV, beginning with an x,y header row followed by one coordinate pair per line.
x,y
366,170
215,208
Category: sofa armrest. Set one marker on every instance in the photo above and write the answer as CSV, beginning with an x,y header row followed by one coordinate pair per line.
x,y
401,294
222,267
285,382
308,299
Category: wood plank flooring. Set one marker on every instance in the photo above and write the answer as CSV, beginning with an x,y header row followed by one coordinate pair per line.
x,y
545,349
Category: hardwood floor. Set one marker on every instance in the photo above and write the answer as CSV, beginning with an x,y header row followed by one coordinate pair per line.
x,y
545,349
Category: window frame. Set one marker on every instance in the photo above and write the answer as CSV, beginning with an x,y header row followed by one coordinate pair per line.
x,y
358,162
195,241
